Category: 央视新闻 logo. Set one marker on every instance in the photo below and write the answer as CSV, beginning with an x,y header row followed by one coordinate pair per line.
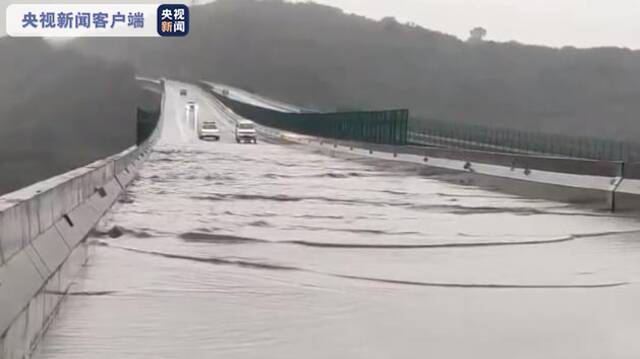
x,y
173,20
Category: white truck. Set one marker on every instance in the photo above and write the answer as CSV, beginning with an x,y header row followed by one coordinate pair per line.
x,y
246,132
209,130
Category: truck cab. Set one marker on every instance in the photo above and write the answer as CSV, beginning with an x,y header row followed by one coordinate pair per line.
x,y
209,130
246,132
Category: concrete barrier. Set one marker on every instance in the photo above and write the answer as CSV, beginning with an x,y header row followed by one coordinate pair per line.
x,y
606,185
584,182
43,229
627,192
155,85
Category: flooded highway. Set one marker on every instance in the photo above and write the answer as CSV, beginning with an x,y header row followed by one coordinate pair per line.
x,y
222,250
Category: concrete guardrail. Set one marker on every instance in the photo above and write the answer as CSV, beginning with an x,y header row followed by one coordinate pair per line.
x,y
607,185
603,185
43,229
627,192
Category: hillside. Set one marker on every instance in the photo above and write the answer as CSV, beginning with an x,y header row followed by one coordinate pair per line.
x,y
60,110
317,56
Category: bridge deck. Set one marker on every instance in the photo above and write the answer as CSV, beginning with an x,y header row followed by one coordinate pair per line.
x,y
238,251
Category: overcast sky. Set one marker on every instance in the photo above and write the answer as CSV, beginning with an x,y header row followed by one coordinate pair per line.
x,y
580,23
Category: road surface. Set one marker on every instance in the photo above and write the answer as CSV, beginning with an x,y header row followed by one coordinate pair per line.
x,y
223,250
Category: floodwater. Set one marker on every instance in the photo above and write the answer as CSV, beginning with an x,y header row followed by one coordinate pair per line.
x,y
222,250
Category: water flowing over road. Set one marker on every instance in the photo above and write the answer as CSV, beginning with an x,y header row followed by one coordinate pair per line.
x,y
222,250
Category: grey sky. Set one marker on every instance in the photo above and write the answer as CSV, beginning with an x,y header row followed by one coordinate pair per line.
x,y
581,23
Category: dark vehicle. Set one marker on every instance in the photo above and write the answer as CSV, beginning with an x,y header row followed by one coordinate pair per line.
x,y
183,92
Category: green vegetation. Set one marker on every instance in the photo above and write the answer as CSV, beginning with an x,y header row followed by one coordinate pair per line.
x,y
60,110
318,57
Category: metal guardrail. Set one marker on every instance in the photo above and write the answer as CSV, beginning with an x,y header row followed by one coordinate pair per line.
x,y
572,162
476,137
447,134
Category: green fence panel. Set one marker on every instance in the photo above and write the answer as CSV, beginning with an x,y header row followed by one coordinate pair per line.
x,y
383,127
444,133
146,124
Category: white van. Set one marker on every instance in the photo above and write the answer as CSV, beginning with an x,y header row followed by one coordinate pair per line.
x,y
246,132
209,130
